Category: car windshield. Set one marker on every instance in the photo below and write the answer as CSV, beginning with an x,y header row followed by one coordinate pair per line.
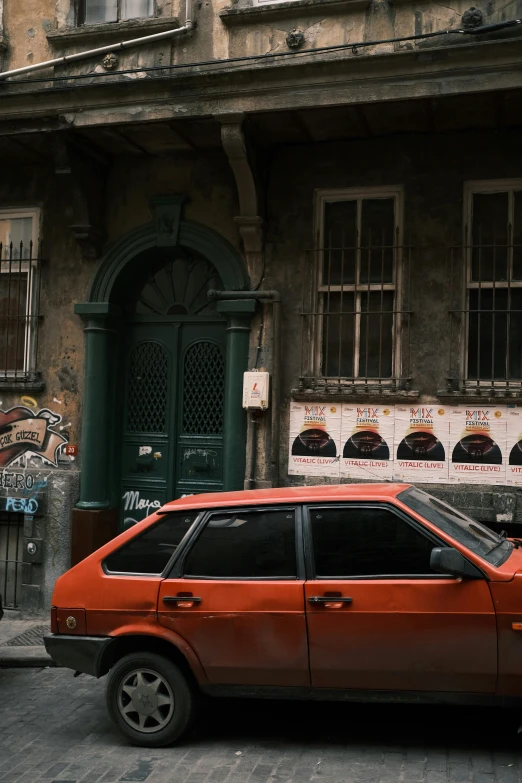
x,y
467,531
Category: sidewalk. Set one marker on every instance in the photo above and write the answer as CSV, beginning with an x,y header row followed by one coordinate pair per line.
x,y
21,642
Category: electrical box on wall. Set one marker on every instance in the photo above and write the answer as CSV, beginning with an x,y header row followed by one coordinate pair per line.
x,y
255,390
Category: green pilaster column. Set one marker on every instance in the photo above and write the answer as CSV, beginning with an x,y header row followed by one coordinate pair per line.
x,y
98,405
239,314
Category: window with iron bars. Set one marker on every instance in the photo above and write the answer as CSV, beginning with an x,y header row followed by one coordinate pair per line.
x,y
100,11
490,264
354,325
19,294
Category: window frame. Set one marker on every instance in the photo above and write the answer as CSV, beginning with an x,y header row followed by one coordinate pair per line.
x,y
309,549
175,555
82,15
471,187
177,569
358,288
30,267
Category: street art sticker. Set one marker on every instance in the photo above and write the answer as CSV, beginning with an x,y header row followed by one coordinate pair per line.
x,y
24,432
421,443
315,439
513,453
478,445
367,434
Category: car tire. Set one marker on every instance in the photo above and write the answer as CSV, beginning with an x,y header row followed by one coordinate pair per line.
x,y
150,699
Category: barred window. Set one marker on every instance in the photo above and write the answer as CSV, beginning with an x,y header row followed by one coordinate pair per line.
x,y
494,281
355,321
19,293
99,11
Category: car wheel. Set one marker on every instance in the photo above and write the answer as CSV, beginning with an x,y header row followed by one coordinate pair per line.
x,y
150,699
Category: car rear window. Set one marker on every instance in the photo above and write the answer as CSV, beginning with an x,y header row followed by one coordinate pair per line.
x,y
150,551
466,530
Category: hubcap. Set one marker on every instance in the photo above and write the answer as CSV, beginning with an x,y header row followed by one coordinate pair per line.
x,y
145,700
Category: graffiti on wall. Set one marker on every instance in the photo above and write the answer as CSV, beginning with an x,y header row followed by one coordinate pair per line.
x,y
23,432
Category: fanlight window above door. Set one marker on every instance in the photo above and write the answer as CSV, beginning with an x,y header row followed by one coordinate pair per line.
x,y
179,287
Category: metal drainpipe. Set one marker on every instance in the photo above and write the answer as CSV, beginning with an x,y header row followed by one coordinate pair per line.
x,y
275,298
69,58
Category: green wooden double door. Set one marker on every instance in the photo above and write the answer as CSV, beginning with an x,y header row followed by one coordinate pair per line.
x,y
173,416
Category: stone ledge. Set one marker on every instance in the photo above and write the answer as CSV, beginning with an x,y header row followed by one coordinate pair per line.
x,y
487,396
289,8
100,33
354,394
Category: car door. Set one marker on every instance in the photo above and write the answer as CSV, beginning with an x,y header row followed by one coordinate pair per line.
x,y
379,618
237,597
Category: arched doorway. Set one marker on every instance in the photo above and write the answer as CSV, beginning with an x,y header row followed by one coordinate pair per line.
x,y
173,379
162,413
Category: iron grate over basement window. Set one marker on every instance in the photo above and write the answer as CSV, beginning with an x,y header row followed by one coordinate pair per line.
x,y
20,265
485,279
355,330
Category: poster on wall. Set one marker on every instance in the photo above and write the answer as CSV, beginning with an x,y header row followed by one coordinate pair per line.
x,y
315,439
478,445
421,443
367,442
513,454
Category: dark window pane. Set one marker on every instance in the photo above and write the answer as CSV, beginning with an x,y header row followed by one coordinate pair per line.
x,y
340,241
97,11
495,342
13,320
464,529
149,552
375,356
338,334
377,240
514,367
490,237
367,542
517,236
245,545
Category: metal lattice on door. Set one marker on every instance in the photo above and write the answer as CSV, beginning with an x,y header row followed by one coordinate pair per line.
x,y
148,385
203,389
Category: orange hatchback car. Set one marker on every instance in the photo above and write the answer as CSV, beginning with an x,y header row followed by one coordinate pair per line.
x,y
330,592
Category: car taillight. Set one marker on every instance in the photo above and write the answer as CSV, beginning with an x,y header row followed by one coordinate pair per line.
x,y
54,620
71,621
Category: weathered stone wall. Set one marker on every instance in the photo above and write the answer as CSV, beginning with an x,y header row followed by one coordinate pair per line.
x,y
39,30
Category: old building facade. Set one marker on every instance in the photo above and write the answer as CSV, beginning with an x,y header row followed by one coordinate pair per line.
x,y
345,174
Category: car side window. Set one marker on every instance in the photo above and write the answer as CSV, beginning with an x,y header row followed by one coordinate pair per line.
x,y
351,542
150,551
245,545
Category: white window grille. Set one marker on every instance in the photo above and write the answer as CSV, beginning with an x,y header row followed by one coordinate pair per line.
x,y
357,315
19,293
489,314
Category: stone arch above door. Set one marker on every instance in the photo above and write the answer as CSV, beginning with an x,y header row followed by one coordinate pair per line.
x,y
191,235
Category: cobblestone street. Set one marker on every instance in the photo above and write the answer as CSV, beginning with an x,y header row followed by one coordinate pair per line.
x,y
55,728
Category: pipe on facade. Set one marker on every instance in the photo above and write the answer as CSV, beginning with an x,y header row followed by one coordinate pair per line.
x,y
275,298
69,58
251,481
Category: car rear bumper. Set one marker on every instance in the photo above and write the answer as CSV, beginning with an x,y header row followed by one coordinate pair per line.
x,y
81,653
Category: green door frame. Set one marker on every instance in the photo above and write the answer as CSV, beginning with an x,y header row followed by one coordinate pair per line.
x,y
103,327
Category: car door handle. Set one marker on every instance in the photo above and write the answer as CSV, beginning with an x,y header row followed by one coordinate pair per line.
x,y
329,599
183,601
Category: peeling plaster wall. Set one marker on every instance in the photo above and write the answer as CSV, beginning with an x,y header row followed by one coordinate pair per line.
x,y
26,26
206,179
432,169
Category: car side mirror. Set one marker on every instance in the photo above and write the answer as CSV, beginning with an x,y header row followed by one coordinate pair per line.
x,y
446,560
